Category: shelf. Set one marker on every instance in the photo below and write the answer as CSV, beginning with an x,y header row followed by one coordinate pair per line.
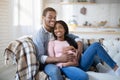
x,y
68,3
97,30
102,32
106,33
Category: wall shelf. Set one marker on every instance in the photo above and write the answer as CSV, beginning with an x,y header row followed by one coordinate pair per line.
x,y
92,29
102,32
72,3
107,33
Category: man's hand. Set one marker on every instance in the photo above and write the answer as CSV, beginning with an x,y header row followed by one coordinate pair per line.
x,y
67,57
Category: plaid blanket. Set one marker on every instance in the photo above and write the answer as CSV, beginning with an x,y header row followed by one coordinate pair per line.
x,y
23,52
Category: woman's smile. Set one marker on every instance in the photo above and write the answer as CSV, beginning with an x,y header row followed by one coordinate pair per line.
x,y
59,34
59,31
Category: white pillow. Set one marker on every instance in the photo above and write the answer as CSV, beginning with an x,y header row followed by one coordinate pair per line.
x,y
101,76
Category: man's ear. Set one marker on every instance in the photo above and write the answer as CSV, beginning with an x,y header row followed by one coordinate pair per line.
x,y
42,17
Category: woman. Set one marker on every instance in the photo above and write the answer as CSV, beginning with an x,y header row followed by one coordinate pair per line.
x,y
71,70
62,43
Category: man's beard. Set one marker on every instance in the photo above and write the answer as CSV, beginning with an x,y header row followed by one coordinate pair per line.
x,y
52,29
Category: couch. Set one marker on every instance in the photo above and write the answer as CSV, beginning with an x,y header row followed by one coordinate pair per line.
x,y
112,47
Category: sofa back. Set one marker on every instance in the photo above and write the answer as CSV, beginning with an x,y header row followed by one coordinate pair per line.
x,y
112,46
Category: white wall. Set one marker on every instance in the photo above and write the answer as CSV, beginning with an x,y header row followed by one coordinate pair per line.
x,y
9,30
97,13
101,11
5,26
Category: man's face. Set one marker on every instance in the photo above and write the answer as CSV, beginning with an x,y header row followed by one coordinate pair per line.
x,y
49,20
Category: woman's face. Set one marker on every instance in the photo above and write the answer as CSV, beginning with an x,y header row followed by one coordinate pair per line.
x,y
59,30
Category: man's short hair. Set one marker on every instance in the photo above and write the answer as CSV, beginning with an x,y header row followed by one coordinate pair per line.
x,y
48,9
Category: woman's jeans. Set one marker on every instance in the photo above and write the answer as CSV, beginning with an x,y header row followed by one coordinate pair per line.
x,y
53,72
78,73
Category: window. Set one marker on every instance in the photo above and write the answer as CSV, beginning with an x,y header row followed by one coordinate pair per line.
x,y
27,12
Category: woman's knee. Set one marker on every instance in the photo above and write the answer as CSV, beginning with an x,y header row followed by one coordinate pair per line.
x,y
75,73
83,76
96,44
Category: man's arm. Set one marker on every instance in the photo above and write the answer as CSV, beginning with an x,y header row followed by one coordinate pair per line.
x,y
75,63
64,58
79,43
80,49
39,46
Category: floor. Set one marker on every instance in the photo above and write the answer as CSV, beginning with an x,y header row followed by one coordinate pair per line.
x,y
7,72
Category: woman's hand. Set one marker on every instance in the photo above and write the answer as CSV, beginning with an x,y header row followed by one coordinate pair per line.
x,y
66,49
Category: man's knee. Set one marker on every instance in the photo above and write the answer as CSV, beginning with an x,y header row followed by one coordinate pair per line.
x,y
52,69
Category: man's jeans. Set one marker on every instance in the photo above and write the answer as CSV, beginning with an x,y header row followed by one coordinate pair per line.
x,y
53,72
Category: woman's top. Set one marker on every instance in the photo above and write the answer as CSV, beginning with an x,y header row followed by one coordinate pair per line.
x,y
55,49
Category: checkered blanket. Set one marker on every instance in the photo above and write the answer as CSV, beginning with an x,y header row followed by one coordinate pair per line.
x,y
23,53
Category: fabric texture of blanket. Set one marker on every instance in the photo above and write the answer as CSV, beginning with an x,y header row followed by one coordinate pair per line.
x,y
23,52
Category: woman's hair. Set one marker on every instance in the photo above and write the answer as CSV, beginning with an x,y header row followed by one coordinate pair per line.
x,y
47,9
67,38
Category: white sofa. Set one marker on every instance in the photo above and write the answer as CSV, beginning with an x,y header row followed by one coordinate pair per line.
x,y
102,76
112,47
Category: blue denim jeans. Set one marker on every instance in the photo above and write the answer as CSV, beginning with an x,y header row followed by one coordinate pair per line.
x,y
78,73
53,72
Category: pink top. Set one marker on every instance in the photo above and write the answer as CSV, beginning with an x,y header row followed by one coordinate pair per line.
x,y
55,49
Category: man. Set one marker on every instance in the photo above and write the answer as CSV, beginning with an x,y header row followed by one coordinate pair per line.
x,y
41,39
